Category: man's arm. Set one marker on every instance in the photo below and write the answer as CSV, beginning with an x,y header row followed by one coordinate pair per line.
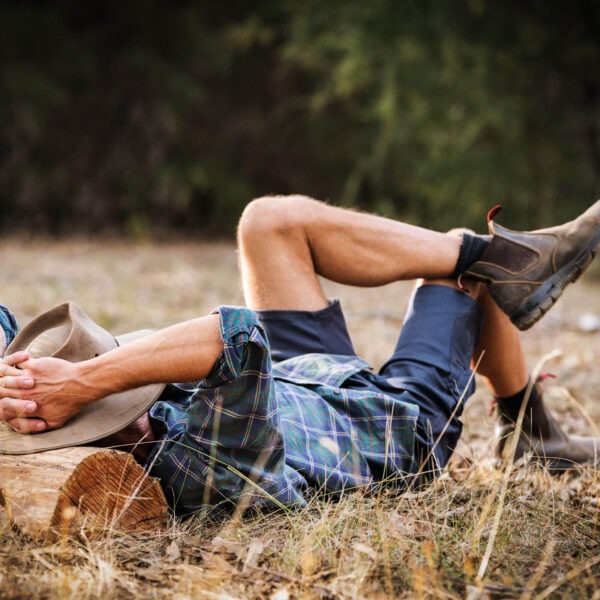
x,y
45,393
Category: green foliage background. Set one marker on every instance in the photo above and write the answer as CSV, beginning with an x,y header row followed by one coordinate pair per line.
x,y
155,117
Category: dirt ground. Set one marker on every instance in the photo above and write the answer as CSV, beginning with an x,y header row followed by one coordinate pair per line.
x,y
419,545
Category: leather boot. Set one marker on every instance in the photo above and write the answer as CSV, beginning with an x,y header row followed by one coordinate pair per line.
x,y
526,272
541,439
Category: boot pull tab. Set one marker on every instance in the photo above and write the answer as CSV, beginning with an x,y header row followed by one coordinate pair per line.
x,y
493,212
543,376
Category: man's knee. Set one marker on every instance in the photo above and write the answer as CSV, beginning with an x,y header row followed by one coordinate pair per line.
x,y
272,215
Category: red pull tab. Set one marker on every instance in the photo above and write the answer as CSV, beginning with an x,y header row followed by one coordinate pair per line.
x,y
543,376
493,212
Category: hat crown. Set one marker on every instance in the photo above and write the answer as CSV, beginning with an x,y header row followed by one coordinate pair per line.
x,y
66,332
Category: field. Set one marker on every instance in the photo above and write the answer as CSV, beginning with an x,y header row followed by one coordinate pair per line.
x,y
473,533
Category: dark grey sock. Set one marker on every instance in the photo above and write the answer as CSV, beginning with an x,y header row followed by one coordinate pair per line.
x,y
471,250
536,419
511,405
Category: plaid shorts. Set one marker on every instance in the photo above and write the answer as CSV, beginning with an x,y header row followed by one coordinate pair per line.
x,y
319,418
9,324
429,367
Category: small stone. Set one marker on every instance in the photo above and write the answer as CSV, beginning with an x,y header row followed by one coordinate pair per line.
x,y
588,322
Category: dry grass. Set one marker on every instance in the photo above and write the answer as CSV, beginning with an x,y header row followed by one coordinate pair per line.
x,y
546,542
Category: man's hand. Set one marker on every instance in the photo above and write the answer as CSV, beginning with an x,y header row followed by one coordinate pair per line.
x,y
39,394
14,410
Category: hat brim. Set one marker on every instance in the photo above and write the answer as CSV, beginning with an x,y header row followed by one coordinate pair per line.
x,y
96,421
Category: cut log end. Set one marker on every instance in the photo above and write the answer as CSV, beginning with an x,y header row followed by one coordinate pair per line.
x,y
93,489
110,491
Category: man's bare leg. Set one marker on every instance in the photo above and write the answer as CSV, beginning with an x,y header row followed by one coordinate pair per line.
x,y
500,361
499,352
286,242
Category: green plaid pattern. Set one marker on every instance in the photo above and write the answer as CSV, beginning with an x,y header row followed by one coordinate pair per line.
x,y
9,324
270,434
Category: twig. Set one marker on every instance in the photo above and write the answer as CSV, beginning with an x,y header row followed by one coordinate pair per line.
x,y
570,575
508,468
539,571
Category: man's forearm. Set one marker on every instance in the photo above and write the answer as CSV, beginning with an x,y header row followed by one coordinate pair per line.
x,y
183,352
46,392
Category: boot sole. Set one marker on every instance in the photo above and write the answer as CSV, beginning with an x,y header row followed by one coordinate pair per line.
x,y
535,306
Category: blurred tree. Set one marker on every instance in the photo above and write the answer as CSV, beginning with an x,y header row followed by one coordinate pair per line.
x,y
143,117
464,103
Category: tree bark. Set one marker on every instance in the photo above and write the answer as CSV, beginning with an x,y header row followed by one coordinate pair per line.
x,y
58,492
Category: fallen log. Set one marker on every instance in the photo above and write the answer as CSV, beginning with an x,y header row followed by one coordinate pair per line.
x,y
54,493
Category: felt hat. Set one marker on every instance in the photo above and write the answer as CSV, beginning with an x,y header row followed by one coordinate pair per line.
x,y
66,332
